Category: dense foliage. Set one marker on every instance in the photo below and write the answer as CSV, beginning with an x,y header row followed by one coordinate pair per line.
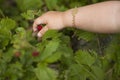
x,y
69,54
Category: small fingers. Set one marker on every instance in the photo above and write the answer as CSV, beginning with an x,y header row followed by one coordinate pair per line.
x,y
38,21
42,31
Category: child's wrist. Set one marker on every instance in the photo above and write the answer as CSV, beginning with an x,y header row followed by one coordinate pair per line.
x,y
69,17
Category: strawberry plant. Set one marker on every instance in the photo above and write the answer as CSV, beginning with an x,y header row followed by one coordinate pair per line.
x,y
69,54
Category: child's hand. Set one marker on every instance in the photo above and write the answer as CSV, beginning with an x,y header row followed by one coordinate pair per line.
x,y
52,19
101,17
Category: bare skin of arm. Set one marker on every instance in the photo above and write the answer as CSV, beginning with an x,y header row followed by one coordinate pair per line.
x,y
102,17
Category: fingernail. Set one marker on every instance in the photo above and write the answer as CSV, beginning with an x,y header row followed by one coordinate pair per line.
x,y
39,35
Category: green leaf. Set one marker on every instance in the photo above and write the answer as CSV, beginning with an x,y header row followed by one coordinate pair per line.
x,y
7,57
50,49
98,72
44,73
54,57
29,15
14,71
67,54
5,36
80,72
29,4
51,34
75,72
7,23
85,35
84,57
51,4
20,35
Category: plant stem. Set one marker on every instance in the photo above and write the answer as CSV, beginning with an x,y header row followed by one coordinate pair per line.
x,y
1,13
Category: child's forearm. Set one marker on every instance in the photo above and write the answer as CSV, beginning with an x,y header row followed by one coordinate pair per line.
x,y
102,17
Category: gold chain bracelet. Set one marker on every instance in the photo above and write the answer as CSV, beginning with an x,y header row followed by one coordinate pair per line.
x,y
74,12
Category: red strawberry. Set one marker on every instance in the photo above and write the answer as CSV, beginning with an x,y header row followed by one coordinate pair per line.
x,y
35,54
39,27
17,54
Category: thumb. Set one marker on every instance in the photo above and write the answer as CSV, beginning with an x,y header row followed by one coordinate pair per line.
x,y
42,31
